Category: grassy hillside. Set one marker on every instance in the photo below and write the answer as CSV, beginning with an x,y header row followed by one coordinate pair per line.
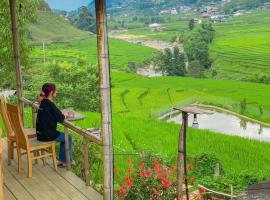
x,y
242,45
121,52
51,27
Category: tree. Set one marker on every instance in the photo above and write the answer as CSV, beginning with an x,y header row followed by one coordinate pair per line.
x,y
44,6
191,24
195,69
171,62
177,67
77,85
26,10
86,20
196,44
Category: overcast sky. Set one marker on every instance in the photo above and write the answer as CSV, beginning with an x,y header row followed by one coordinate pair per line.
x,y
67,5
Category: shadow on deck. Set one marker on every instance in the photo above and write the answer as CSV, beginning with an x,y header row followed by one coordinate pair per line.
x,y
46,184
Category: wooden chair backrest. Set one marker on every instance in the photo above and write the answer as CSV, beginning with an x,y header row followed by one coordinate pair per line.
x,y
4,114
16,123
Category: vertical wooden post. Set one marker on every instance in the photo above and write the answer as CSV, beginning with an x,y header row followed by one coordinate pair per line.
x,y
105,97
16,52
181,161
67,148
33,117
86,161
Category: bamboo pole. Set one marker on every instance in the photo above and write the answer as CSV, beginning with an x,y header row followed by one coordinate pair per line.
x,y
16,52
105,98
67,148
181,161
86,161
33,117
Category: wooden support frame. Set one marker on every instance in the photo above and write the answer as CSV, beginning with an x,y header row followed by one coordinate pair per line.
x,y
182,152
105,98
181,160
67,148
16,52
105,94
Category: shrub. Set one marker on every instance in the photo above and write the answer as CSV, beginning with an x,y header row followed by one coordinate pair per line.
x,y
77,85
205,164
152,180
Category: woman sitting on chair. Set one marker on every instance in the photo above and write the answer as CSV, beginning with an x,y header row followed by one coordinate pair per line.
x,y
47,118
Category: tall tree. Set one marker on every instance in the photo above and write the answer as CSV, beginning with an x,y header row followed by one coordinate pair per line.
x,y
86,20
177,67
26,10
191,24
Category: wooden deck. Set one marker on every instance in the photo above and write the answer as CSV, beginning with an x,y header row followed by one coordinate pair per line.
x,y
259,191
46,184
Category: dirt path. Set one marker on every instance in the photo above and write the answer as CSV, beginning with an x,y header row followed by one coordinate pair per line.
x,y
139,39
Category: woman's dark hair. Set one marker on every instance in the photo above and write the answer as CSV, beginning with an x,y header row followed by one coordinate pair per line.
x,y
47,88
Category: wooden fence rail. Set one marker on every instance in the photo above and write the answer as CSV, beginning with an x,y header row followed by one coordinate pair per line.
x,y
89,135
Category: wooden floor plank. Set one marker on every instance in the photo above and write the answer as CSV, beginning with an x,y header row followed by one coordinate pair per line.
x,y
46,184
38,186
61,183
15,187
8,195
89,192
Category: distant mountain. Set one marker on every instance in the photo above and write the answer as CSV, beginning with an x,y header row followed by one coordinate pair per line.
x,y
109,3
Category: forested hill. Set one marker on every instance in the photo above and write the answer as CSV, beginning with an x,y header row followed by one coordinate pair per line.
x,y
154,6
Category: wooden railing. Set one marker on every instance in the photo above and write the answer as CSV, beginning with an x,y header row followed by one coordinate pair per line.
x,y
89,135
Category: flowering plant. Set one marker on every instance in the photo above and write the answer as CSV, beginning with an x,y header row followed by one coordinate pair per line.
x,y
151,181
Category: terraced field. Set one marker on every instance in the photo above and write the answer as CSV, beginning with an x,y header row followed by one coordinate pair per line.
x,y
149,97
241,49
121,52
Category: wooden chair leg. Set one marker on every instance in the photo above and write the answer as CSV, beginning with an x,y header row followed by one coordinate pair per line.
x,y
10,150
54,157
29,159
19,160
43,159
36,153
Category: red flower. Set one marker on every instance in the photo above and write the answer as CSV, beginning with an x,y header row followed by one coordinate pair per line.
x,y
166,183
157,168
129,170
122,192
190,167
164,174
129,182
148,173
192,180
202,190
185,177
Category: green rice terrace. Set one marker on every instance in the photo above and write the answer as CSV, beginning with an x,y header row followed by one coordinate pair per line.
x,y
240,56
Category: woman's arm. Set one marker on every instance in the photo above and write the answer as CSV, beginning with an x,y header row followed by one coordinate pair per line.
x,y
60,117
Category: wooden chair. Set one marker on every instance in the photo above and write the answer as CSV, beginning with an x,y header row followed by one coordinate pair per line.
x,y
32,147
31,132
